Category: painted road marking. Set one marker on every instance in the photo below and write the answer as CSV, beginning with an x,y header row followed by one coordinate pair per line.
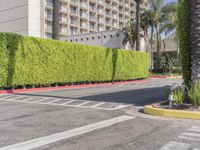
x,y
84,103
97,105
195,130
194,136
64,102
188,138
36,143
176,146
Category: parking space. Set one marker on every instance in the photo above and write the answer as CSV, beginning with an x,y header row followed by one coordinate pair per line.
x,y
62,102
188,140
91,118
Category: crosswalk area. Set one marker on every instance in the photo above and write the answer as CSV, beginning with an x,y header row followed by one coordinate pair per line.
x,y
191,136
69,102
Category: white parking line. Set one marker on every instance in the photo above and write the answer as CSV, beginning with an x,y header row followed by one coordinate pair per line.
x,y
97,105
191,134
68,102
176,146
53,101
36,143
188,138
195,130
40,100
84,103
120,107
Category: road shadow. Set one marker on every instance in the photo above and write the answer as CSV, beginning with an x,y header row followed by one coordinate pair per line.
x,y
136,97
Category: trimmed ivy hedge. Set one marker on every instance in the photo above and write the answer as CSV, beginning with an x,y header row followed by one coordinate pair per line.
x,y
36,61
183,32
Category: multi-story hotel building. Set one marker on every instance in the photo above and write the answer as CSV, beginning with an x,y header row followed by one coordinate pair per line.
x,y
34,17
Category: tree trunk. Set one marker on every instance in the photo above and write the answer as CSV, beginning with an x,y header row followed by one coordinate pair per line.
x,y
195,38
138,25
56,19
152,51
158,44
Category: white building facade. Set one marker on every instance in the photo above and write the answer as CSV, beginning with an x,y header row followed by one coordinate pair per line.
x,y
34,17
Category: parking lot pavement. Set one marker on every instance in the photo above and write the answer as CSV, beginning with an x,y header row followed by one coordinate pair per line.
x,y
91,118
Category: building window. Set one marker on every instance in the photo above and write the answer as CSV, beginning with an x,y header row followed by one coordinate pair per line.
x,y
99,37
111,36
93,38
104,37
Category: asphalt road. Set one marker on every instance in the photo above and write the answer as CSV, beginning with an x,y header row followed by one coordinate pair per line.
x,y
95,118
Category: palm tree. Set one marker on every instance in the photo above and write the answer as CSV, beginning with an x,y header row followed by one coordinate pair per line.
x,y
146,23
195,38
138,25
56,19
156,7
168,19
129,34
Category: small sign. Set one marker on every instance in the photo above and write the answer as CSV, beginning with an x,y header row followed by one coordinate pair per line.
x,y
170,97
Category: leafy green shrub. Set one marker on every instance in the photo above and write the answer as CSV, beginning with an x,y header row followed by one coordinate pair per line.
x,y
178,95
194,93
36,61
167,63
183,33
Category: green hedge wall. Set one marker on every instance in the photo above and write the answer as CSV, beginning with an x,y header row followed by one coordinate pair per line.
x,y
183,32
35,61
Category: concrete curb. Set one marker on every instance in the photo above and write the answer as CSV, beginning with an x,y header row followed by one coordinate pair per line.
x,y
170,77
149,109
72,86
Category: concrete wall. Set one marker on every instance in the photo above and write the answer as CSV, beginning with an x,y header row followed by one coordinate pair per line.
x,y
36,18
108,39
14,16
25,17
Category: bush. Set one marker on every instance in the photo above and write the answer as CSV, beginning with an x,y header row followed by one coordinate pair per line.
x,y
178,95
194,94
35,61
183,32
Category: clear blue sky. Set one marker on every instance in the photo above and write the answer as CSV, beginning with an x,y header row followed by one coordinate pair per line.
x,y
167,1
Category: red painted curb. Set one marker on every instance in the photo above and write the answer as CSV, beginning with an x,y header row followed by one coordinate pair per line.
x,y
69,87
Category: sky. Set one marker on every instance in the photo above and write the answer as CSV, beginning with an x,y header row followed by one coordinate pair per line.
x,y
167,1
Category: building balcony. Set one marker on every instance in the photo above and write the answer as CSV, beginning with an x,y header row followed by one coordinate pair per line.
x,y
108,23
49,19
74,24
84,27
93,10
84,16
64,1
74,13
108,6
63,10
108,15
64,21
93,19
100,3
93,1
83,6
74,3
